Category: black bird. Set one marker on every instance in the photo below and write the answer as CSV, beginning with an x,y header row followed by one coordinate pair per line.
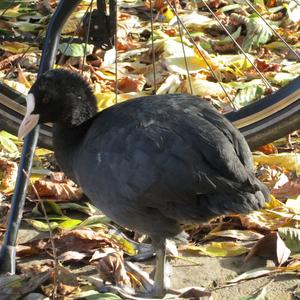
x,y
151,163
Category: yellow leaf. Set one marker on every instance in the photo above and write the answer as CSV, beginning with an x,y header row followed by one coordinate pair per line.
x,y
128,247
273,203
167,12
289,161
220,249
42,151
206,88
108,99
12,12
18,48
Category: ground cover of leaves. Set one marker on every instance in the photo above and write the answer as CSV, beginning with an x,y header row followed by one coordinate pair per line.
x,y
229,255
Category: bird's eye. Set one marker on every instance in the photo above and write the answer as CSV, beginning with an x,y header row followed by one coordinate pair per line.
x,y
46,100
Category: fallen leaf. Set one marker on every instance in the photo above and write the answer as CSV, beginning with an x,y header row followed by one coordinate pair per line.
x,y
288,190
71,255
56,187
267,149
243,235
13,287
131,84
17,48
7,144
270,246
8,175
291,237
289,161
255,273
219,249
112,269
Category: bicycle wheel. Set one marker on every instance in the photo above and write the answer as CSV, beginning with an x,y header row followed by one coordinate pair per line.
x,y
261,122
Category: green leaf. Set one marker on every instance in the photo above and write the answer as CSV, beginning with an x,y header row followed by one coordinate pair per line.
x,y
87,209
235,35
95,220
248,95
75,50
7,144
52,207
69,224
258,33
283,78
291,237
42,226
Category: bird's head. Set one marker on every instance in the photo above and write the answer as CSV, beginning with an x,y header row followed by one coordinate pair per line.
x,y
58,96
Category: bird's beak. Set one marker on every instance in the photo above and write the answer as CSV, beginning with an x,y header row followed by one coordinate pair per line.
x,y
30,120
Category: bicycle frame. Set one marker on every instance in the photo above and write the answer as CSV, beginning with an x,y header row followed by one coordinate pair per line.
x,y
8,249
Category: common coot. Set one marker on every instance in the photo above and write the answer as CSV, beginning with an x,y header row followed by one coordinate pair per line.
x,y
151,163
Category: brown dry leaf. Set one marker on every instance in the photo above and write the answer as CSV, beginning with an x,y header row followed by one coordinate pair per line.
x,y
270,246
36,269
267,149
31,248
56,187
289,190
71,255
8,175
67,284
112,269
243,235
265,66
83,240
131,84
8,62
264,220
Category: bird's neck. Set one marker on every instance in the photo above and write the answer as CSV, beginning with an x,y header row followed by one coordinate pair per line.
x,y
66,141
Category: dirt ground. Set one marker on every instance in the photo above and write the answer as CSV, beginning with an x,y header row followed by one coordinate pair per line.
x,y
212,273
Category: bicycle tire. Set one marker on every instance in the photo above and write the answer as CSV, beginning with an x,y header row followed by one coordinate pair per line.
x,y
259,129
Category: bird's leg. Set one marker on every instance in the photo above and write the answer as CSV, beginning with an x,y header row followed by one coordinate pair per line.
x,y
160,279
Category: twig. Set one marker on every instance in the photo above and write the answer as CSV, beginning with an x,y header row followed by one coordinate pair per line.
x,y
56,262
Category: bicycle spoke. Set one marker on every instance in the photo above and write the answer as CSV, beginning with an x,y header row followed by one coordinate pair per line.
x,y
183,50
202,55
152,46
87,35
265,80
272,29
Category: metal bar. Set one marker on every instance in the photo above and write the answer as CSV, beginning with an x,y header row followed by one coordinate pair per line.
x,y
8,249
